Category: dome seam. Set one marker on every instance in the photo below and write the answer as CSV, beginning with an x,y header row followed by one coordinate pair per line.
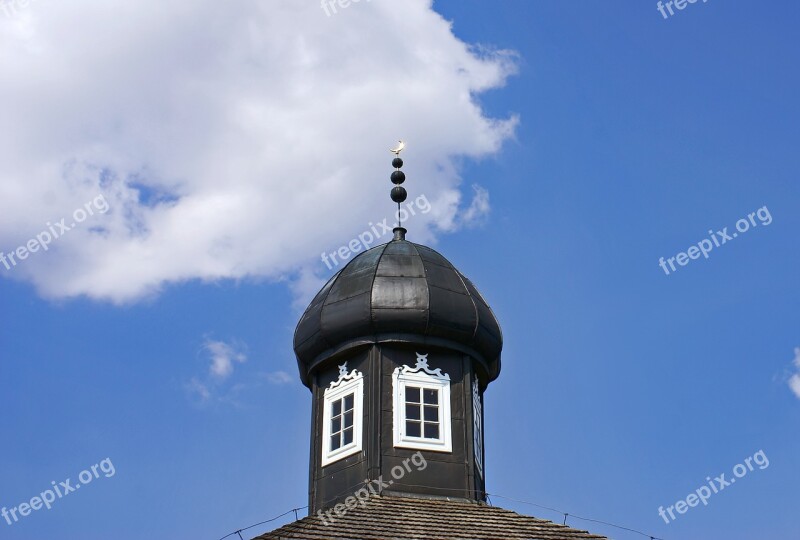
x,y
427,287
324,303
372,287
471,299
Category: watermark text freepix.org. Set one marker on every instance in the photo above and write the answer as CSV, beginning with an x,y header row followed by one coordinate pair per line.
x,y
9,8
330,5
663,7
47,497
372,234
44,238
719,238
362,495
714,486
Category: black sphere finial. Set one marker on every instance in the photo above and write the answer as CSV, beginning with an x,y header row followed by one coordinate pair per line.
x,y
398,193
398,177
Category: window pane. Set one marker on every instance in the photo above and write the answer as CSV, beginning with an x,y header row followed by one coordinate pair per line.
x,y
412,394
348,436
413,429
412,412
431,414
348,402
432,397
335,444
348,419
337,408
336,425
431,431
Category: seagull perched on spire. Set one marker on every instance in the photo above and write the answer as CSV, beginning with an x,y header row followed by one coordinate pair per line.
x,y
396,151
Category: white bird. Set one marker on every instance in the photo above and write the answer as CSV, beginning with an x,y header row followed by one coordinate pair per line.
x,y
396,151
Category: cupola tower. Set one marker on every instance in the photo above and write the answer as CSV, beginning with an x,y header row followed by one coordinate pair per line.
x,y
397,349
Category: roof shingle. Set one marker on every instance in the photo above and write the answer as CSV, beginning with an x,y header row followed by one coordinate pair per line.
x,y
405,518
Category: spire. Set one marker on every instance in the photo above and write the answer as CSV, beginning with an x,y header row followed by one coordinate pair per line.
x,y
398,193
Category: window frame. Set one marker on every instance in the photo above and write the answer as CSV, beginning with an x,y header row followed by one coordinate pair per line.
x,y
477,426
347,383
421,376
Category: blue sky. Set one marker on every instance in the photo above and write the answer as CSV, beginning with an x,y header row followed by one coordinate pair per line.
x,y
605,137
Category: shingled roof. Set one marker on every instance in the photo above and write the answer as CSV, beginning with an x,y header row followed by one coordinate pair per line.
x,y
405,518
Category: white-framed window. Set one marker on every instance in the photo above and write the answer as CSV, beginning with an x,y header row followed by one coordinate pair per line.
x,y
342,416
477,426
421,407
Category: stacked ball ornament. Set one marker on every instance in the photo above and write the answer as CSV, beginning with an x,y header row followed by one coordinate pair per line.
x,y
399,193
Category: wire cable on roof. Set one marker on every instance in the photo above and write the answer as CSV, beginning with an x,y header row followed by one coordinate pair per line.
x,y
460,490
239,532
565,514
579,517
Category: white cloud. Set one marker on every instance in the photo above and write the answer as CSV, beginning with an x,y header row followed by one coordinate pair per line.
x,y
199,389
478,209
223,356
231,140
278,377
794,384
794,380
221,360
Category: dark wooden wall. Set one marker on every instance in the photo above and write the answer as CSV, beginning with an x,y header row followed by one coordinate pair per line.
x,y
451,474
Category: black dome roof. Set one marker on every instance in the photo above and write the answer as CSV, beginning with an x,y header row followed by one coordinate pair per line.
x,y
402,292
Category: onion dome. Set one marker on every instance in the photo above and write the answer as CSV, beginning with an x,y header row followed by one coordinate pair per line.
x,y
398,292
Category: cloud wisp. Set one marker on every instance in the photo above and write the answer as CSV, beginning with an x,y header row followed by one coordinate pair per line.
x,y
219,383
221,359
794,380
